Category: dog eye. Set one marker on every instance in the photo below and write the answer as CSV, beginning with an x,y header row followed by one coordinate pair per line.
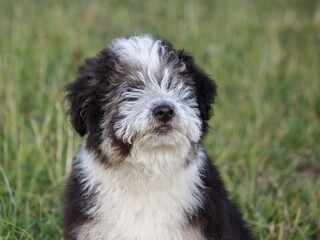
x,y
130,99
130,95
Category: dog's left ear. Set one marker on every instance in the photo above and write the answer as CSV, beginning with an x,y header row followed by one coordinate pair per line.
x,y
206,89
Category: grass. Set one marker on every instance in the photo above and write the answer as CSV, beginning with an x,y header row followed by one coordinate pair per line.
x,y
265,137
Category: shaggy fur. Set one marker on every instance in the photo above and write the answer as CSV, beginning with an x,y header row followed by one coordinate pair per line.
x,y
142,172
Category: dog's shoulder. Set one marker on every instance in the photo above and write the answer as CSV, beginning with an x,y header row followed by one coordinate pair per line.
x,y
77,201
219,218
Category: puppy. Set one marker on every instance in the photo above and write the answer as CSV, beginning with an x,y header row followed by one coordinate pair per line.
x,y
142,172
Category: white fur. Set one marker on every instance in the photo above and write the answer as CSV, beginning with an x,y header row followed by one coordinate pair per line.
x,y
147,54
142,50
131,205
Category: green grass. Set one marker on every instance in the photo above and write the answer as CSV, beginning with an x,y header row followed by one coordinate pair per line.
x,y
265,136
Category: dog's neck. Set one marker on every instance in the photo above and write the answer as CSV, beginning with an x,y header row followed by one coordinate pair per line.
x,y
148,164
126,197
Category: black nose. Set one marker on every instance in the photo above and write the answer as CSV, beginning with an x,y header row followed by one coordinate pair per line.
x,y
163,112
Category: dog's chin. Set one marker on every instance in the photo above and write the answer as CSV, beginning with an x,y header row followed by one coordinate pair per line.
x,y
163,136
164,130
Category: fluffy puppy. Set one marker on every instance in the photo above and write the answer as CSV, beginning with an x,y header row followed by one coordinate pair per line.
x,y
142,172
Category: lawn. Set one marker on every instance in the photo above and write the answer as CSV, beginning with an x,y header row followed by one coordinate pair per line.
x,y
265,133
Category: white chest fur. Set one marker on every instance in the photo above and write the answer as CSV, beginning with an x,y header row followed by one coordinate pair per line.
x,y
130,205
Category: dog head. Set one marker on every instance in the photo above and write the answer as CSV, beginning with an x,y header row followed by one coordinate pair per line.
x,y
140,93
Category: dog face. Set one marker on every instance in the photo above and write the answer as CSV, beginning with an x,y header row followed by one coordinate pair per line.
x,y
139,93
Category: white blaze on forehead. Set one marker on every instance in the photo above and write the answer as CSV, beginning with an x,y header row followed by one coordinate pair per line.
x,y
151,57
142,50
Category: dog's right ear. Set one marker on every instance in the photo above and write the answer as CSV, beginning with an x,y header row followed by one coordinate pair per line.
x,y
81,96
85,94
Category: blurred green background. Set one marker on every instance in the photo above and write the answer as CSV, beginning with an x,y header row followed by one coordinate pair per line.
x,y
265,135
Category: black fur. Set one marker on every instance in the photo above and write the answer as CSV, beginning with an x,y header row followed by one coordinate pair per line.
x,y
76,203
87,96
219,218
